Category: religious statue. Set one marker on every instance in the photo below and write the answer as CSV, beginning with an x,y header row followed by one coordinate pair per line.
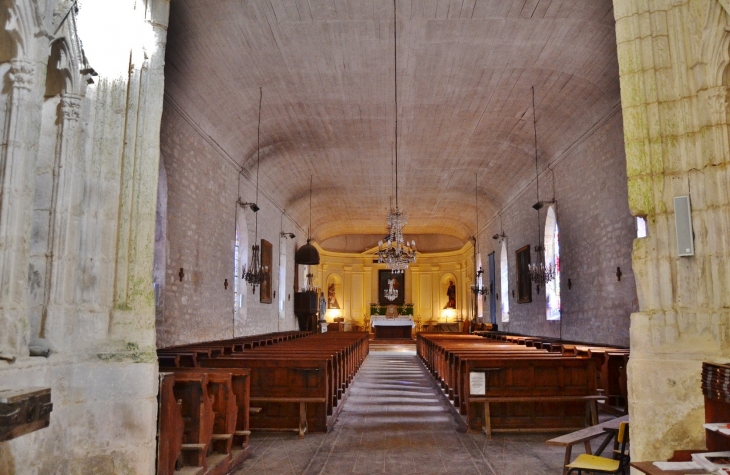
x,y
322,306
331,297
451,294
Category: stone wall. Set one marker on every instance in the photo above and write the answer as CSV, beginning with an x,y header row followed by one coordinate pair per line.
x,y
202,213
78,179
588,183
673,59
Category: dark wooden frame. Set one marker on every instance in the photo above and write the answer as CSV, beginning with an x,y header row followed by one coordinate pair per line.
x,y
266,260
383,276
524,286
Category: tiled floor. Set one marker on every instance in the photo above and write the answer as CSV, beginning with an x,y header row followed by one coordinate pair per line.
x,y
395,422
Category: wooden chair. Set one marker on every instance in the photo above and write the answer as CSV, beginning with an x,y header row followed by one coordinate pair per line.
x,y
595,464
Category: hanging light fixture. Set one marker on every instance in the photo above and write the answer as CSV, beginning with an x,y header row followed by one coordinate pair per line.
x,y
308,254
255,273
539,273
477,286
395,252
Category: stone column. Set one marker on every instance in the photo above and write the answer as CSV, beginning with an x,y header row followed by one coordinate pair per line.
x,y
17,170
672,61
61,269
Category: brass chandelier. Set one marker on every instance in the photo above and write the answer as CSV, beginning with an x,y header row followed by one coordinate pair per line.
x,y
396,253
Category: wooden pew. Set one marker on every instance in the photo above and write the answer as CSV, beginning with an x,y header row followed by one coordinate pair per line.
x,y
197,412
527,389
214,404
298,383
170,426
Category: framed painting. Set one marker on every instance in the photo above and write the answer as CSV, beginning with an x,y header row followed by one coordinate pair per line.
x,y
397,281
524,286
266,263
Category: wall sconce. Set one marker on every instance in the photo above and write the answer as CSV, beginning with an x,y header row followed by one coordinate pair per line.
x,y
225,284
618,274
570,284
181,274
254,207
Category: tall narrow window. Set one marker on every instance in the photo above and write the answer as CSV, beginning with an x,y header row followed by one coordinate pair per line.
x,y
240,256
552,257
504,282
282,277
480,283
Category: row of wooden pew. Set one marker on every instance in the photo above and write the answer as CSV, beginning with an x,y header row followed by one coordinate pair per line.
x,y
502,386
611,362
292,381
203,413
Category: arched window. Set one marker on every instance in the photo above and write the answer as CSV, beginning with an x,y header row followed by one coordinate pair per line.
x,y
282,276
504,282
552,257
240,257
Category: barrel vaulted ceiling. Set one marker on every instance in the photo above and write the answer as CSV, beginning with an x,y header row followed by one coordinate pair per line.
x,y
465,72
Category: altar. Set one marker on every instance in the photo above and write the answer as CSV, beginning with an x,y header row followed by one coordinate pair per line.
x,y
392,327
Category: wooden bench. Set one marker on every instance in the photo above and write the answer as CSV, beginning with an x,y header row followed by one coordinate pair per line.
x,y
170,426
203,420
297,384
527,389
585,436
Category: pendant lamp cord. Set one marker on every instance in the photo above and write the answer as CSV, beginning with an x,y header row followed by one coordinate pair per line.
x,y
476,209
395,80
537,175
309,231
258,160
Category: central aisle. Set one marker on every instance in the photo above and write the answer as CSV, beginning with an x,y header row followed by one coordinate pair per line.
x,y
395,421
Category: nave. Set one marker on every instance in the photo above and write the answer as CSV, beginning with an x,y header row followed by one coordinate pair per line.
x,y
394,420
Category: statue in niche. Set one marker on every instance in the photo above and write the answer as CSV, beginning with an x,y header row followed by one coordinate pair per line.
x,y
331,297
451,295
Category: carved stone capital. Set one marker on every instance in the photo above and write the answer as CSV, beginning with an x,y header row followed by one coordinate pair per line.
x,y
22,74
71,107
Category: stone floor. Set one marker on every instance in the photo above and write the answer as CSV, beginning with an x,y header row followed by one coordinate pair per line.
x,y
395,421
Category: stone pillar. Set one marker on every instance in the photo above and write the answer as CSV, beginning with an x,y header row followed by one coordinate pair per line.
x,y
61,269
672,62
17,171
